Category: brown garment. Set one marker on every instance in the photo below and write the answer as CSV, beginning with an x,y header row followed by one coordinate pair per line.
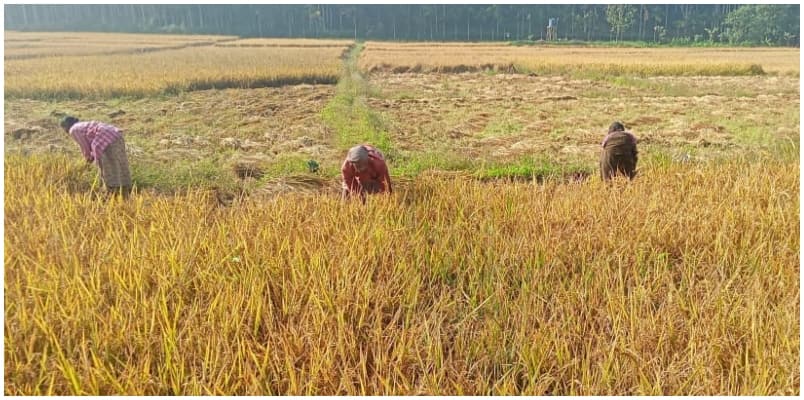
x,y
619,156
113,164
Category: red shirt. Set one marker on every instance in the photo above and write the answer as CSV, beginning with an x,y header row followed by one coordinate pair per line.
x,y
376,172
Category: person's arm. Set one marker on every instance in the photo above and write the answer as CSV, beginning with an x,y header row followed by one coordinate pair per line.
x,y
605,139
387,178
379,170
93,149
349,179
104,136
634,142
633,138
79,135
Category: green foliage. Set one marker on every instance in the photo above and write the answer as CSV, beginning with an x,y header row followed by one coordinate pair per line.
x,y
620,17
763,24
410,164
286,164
419,22
532,168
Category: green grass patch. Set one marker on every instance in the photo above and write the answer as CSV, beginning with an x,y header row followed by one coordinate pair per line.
x,y
522,169
415,163
288,164
181,175
502,126
349,115
764,131
532,168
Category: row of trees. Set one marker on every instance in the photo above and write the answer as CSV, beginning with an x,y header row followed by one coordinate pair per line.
x,y
680,23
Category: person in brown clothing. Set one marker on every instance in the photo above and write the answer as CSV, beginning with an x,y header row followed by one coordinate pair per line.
x,y
619,153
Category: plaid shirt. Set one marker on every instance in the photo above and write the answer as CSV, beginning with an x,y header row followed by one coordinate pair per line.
x,y
93,137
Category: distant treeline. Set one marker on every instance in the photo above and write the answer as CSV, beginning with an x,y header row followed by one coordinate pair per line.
x,y
657,23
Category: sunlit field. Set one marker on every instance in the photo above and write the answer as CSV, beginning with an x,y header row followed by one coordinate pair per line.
x,y
170,71
44,44
440,57
684,283
261,42
500,265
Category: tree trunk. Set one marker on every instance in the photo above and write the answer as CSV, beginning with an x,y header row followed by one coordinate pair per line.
x,y
436,24
572,23
444,21
24,15
467,27
641,20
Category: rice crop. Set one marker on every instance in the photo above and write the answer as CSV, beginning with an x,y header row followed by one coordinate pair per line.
x,y
427,57
170,71
279,42
19,45
683,282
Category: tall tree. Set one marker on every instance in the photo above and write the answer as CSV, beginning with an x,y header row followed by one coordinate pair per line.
x,y
764,24
758,24
620,17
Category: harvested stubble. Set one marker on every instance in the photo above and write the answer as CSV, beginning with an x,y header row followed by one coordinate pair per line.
x,y
683,282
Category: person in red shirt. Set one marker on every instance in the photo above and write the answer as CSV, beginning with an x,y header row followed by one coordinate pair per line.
x,y
364,171
619,153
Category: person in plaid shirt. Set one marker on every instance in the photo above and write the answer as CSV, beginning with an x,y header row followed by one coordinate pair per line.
x,y
103,144
364,171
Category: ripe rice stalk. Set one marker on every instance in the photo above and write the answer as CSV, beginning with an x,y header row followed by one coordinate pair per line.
x,y
681,282
380,56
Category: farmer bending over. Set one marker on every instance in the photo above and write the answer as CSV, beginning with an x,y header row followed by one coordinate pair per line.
x,y
619,153
103,144
364,171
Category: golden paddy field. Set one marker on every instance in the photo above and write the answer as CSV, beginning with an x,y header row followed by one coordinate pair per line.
x,y
178,66
436,57
501,264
